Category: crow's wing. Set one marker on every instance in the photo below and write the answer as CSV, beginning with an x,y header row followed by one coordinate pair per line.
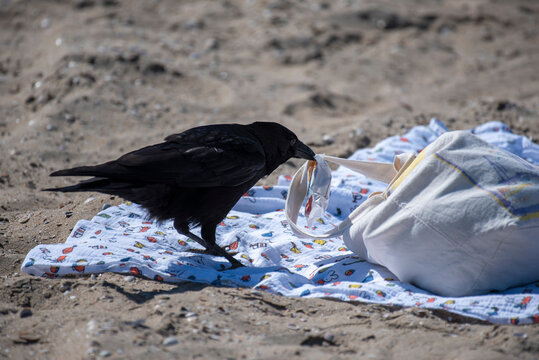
x,y
202,158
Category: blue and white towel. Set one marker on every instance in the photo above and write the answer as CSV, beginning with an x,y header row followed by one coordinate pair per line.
x,y
121,239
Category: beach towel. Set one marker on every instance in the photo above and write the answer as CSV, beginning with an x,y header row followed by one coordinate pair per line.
x,y
122,239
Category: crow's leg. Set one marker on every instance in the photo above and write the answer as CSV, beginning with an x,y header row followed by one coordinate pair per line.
x,y
207,241
208,250
200,251
183,228
208,234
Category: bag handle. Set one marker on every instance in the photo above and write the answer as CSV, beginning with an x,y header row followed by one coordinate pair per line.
x,y
385,172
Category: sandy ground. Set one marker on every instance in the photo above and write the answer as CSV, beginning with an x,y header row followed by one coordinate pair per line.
x,y
84,81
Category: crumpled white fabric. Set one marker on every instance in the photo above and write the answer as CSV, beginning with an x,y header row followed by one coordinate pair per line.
x,y
120,239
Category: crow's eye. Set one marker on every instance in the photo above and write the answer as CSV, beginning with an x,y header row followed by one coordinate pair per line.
x,y
292,142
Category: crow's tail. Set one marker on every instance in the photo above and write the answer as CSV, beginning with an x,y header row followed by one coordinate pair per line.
x,y
102,185
79,171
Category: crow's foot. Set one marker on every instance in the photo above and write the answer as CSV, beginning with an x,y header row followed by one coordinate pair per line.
x,y
213,249
209,252
235,264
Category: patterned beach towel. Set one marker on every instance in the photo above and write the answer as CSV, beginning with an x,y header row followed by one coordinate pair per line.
x,y
121,239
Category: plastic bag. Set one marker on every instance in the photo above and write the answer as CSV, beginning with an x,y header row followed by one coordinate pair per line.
x,y
319,175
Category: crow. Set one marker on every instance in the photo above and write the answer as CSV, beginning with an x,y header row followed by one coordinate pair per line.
x,y
194,177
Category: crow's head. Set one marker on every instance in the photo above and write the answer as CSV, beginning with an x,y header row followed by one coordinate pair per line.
x,y
280,144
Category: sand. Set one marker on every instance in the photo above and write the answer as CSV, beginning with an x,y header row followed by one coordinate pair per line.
x,y
85,81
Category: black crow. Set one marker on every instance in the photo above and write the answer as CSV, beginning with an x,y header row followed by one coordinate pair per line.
x,y
194,177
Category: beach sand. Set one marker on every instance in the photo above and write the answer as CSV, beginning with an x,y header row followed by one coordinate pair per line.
x,y
85,81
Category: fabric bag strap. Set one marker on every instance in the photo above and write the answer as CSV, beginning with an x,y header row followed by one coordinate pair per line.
x,y
385,172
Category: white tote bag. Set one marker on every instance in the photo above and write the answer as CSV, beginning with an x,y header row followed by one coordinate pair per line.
x,y
461,218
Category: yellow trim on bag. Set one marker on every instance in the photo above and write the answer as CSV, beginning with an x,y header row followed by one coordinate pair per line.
x,y
518,188
408,170
529,216
472,183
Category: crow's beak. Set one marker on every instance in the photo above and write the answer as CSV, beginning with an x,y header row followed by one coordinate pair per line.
x,y
303,151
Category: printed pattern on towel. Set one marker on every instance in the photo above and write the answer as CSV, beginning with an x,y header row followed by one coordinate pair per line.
x,y
121,239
